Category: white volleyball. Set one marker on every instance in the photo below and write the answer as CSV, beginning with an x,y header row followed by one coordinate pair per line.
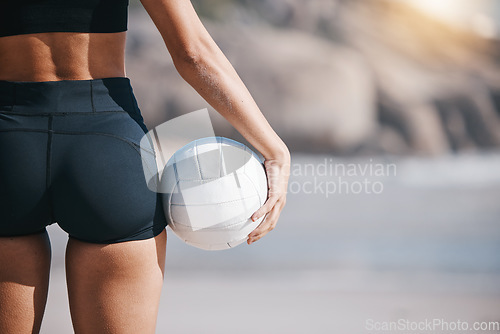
x,y
210,188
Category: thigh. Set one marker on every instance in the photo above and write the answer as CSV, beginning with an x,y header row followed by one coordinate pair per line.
x,y
24,279
115,288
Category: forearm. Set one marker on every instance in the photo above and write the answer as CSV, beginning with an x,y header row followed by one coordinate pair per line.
x,y
203,65
210,73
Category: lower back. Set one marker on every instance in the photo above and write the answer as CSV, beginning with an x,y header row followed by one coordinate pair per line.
x,y
62,56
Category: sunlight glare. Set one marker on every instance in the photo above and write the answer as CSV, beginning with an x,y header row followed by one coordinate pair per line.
x,y
476,15
451,11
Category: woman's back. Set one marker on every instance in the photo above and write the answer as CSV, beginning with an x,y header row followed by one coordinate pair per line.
x,y
70,135
62,39
62,56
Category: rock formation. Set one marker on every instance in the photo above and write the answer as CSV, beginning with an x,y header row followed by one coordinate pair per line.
x,y
346,77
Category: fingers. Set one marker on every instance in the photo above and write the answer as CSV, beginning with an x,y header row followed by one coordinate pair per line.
x,y
268,224
268,206
277,173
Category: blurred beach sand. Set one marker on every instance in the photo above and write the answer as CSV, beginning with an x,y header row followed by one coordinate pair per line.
x,y
427,247
290,302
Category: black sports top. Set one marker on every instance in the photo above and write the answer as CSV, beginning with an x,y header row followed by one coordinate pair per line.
x,y
19,17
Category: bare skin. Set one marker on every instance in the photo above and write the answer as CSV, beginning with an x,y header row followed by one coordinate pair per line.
x,y
116,288
23,288
121,291
62,56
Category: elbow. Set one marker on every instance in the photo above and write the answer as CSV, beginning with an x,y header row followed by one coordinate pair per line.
x,y
190,58
195,55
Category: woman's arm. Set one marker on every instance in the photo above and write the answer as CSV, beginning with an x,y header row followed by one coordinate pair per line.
x,y
202,64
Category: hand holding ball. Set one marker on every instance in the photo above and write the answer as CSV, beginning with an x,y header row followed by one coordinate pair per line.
x,y
211,187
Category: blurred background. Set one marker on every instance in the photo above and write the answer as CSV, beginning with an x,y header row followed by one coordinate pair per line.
x,y
403,95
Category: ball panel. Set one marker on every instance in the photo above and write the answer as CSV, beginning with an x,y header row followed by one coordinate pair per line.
x,y
233,158
202,216
186,165
216,247
254,171
213,236
228,188
209,158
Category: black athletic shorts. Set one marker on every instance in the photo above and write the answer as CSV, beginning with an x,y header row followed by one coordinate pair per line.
x,y
70,153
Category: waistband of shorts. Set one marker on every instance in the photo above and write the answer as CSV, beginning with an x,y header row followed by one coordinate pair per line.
x,y
68,96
